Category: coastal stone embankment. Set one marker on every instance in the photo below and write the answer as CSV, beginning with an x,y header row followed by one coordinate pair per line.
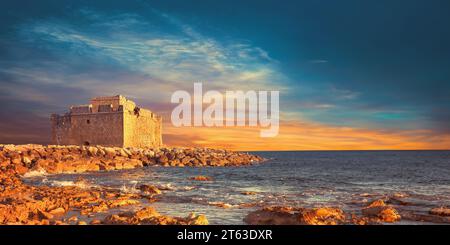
x,y
25,204
78,159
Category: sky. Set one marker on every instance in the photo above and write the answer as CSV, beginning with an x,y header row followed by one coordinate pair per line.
x,y
352,75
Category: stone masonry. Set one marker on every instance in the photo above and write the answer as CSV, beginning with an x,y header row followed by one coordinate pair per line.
x,y
107,121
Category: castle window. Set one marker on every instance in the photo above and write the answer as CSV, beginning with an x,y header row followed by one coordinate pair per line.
x,y
88,121
86,143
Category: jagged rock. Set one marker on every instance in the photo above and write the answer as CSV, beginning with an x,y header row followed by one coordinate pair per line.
x,y
163,159
149,215
296,216
323,216
385,213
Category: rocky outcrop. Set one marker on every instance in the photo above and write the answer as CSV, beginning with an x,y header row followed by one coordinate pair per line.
x,y
149,216
379,210
376,213
44,205
23,204
295,216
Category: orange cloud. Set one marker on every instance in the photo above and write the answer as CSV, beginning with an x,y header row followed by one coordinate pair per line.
x,y
296,135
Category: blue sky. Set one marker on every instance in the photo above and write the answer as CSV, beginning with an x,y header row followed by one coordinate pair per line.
x,y
376,65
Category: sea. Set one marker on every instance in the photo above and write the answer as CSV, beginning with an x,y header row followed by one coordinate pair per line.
x,y
417,181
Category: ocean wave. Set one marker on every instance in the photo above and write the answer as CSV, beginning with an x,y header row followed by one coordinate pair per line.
x,y
62,183
131,188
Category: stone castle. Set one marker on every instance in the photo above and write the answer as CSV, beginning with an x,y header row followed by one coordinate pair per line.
x,y
107,121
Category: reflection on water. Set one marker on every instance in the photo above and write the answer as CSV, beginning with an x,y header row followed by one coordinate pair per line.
x,y
342,179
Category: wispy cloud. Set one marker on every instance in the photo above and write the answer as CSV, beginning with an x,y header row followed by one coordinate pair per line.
x,y
318,61
168,59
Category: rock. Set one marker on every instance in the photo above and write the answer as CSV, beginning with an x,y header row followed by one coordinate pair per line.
x,y
220,204
149,153
58,222
272,216
150,189
296,216
92,150
95,222
248,193
110,152
127,152
441,211
198,220
132,163
117,219
385,213
146,213
73,219
149,215
201,178
21,169
408,215
57,211
16,161
162,159
45,222
45,215
121,202
26,160
123,153
170,156
323,216
400,195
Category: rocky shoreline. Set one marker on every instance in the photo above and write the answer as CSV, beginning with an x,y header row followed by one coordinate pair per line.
x,y
375,212
25,204
83,203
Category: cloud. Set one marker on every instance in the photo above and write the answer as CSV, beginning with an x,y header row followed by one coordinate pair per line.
x,y
303,135
318,61
344,94
169,59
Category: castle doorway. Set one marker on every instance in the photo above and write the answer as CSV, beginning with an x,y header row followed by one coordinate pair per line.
x,y
86,143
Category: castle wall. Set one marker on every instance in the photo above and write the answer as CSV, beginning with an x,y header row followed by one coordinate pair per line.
x,y
89,129
142,129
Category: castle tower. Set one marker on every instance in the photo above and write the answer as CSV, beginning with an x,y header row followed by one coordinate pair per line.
x,y
108,121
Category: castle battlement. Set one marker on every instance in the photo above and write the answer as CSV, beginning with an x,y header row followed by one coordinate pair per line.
x,y
109,121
